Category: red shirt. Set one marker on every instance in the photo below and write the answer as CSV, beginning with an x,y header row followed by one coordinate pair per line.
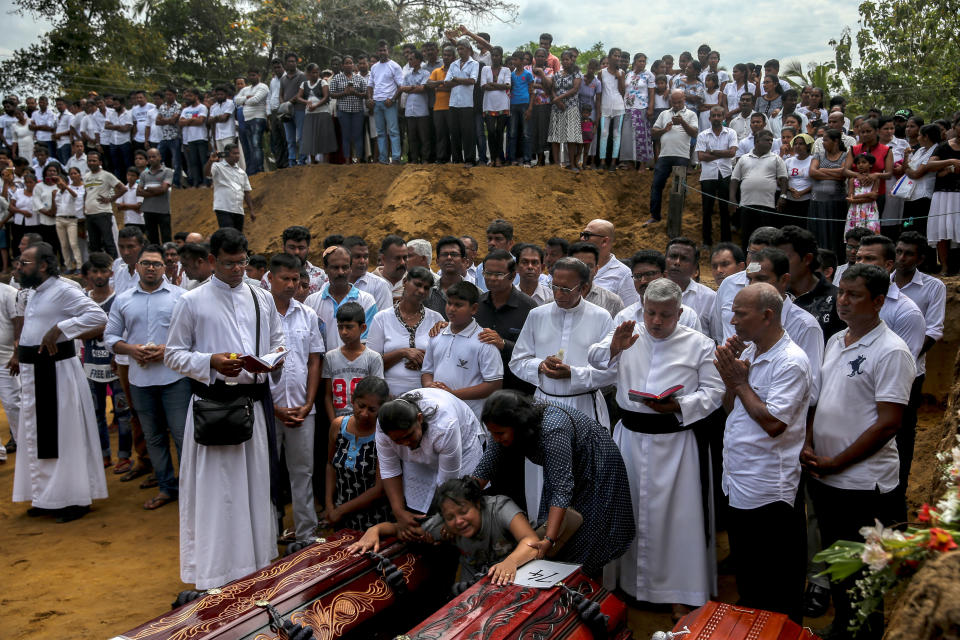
x,y
879,153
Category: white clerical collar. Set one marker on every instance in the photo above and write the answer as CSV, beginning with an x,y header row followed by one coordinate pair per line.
x,y
220,284
573,309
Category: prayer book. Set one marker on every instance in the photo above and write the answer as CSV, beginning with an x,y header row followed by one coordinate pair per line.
x,y
640,396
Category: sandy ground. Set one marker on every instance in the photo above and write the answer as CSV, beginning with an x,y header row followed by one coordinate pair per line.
x,y
118,567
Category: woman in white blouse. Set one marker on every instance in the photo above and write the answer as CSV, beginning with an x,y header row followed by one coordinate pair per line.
x,y
401,334
69,212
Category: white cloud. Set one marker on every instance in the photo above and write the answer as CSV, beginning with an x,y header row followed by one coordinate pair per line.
x,y
18,31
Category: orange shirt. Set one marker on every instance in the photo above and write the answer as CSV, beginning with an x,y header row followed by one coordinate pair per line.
x,y
442,102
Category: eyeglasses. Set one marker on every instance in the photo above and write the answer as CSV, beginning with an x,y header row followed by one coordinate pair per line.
x,y
852,247
589,234
150,264
233,265
558,289
493,275
647,275
450,254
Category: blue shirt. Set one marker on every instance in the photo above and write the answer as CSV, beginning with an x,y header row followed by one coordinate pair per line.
x,y
139,317
416,102
520,89
322,307
461,95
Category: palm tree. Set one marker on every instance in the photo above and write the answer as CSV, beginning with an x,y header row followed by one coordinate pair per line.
x,y
821,75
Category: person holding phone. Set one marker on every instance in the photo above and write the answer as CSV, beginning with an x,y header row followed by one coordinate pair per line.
x,y
674,128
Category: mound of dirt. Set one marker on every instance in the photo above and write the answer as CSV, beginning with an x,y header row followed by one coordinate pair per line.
x,y
433,201
930,607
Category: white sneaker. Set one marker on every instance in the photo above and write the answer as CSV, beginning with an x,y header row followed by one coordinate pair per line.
x,y
3,454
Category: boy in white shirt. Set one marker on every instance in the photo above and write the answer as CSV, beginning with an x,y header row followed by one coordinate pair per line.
x,y
345,366
456,360
129,203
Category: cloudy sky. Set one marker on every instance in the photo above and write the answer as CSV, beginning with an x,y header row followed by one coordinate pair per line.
x,y
741,31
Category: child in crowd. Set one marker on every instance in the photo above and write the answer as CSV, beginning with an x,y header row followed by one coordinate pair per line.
x,y
455,359
354,491
586,127
256,267
345,367
863,197
661,102
97,364
129,203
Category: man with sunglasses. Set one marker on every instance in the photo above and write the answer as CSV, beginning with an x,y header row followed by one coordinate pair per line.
x,y
612,274
137,327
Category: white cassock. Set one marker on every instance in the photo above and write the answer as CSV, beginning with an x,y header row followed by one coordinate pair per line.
x,y
672,559
75,477
547,331
227,525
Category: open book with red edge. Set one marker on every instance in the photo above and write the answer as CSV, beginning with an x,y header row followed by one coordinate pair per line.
x,y
264,363
640,396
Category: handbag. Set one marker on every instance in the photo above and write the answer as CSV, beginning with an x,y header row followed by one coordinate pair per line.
x,y
218,421
904,187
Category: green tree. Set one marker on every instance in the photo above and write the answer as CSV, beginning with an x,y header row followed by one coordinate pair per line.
x,y
907,56
818,74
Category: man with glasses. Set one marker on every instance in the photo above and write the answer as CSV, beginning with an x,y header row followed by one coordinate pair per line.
x,y
551,351
723,304
137,327
612,274
227,524
231,187
646,266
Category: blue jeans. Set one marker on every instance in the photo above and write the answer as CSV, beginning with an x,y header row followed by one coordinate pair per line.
x,y
386,119
293,130
253,144
121,409
662,171
351,133
63,153
163,409
517,123
170,153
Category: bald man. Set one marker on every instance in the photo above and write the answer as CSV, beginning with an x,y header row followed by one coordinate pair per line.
x,y
193,236
768,392
675,128
612,274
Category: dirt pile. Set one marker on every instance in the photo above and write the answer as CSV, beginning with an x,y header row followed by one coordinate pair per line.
x,y
930,607
433,201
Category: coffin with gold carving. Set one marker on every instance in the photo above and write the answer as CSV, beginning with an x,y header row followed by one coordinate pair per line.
x,y
719,621
579,609
338,594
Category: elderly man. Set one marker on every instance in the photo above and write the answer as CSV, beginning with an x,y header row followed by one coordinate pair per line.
x,y
612,274
590,256
674,129
768,391
59,468
666,382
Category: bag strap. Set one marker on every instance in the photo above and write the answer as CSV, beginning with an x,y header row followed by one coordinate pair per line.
x,y
256,346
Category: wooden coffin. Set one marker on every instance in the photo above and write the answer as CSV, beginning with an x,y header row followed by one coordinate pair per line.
x,y
489,612
334,592
718,621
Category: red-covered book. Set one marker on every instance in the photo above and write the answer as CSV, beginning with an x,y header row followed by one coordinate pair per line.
x,y
640,396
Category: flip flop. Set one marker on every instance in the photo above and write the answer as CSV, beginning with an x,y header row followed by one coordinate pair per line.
x,y
123,466
135,473
157,501
149,483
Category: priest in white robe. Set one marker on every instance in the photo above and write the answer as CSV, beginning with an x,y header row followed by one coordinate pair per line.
x,y
672,559
59,468
227,524
551,351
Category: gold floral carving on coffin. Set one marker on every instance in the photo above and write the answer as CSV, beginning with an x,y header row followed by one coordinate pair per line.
x,y
346,607
236,604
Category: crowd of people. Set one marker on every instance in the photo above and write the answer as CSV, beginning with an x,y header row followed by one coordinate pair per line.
x,y
547,400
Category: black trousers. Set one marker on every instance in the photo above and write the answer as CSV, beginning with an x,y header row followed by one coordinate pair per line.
x,y
157,227
712,190
496,126
229,219
907,434
752,219
49,234
769,550
463,138
418,139
278,142
441,128
842,513
100,233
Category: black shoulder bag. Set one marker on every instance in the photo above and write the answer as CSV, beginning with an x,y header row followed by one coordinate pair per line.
x,y
223,415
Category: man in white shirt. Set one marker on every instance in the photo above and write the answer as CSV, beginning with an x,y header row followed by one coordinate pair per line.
x,y
530,274
383,88
193,133
43,122
767,393
142,114
674,128
850,452
362,279
295,241
612,274
672,559
231,187
715,148
118,124
294,391
682,259
758,122
393,264
754,184
740,123
225,124
338,291
78,159
62,136
227,523
253,99
733,283
590,256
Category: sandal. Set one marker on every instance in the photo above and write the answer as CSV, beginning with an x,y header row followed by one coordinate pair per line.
x,y
288,536
123,466
157,501
136,472
149,483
